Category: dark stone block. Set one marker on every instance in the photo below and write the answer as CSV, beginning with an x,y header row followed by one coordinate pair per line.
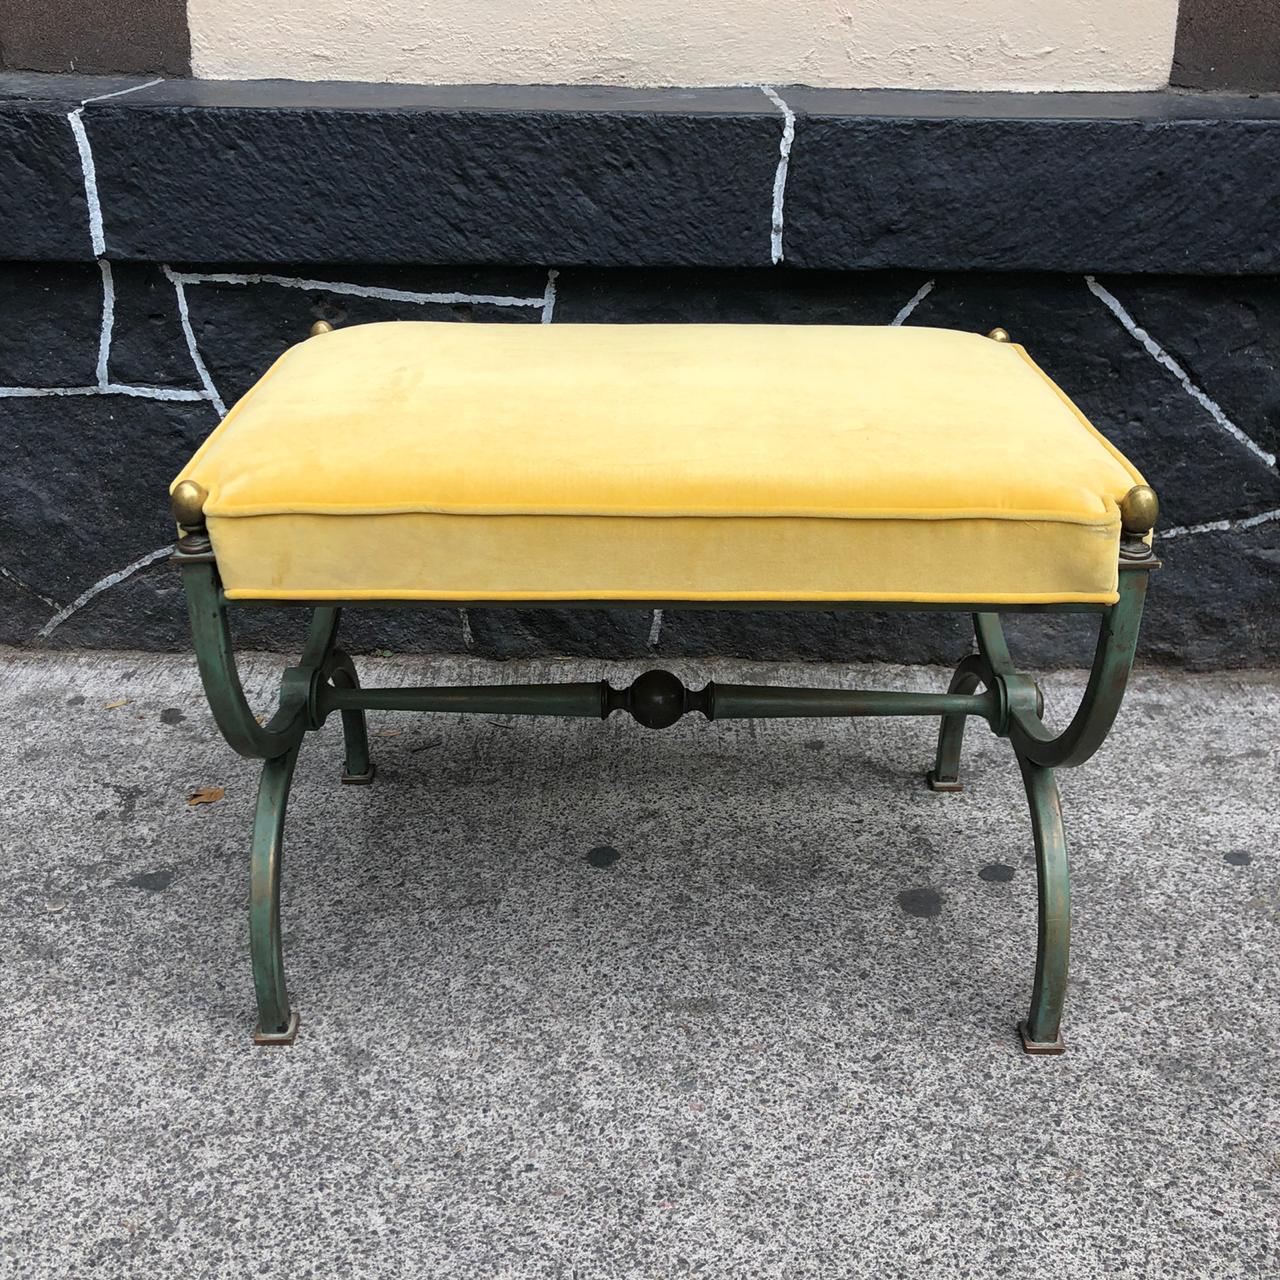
x,y
43,215
82,487
1040,640
50,322
574,633
22,610
149,611
1059,189
616,184
148,347
1216,601
816,636
277,172
738,296
1200,472
241,328
402,630
1225,333
145,611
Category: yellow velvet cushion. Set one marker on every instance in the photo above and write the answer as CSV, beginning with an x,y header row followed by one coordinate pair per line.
x,y
447,461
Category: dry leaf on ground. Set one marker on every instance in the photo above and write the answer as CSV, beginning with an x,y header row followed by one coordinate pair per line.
x,y
119,702
206,795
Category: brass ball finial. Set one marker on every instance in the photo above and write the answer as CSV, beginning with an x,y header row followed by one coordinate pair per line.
x,y
999,335
1139,509
321,326
187,504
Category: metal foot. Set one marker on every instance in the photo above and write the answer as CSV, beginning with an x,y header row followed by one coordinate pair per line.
x,y
945,774
1044,1048
358,769
287,1036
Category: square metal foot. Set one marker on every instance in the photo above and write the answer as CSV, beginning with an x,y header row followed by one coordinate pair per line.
x,y
1038,1047
287,1036
359,779
942,784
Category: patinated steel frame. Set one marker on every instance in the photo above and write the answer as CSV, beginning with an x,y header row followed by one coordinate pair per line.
x,y
985,685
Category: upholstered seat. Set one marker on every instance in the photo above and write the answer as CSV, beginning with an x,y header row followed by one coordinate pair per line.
x,y
467,462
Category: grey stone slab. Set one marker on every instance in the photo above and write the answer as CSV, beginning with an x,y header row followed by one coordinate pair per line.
x,y
773,1036
66,87
1160,106
348,95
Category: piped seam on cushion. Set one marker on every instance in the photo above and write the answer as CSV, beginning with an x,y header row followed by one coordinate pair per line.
x,y
212,438
746,597
1109,520
1134,474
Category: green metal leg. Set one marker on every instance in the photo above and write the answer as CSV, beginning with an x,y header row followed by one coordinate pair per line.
x,y
276,1023
359,769
1041,1031
945,774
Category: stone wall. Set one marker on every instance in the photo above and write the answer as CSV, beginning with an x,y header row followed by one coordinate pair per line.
x,y
117,354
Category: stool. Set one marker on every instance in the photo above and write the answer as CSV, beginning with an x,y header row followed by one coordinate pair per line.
x,y
660,466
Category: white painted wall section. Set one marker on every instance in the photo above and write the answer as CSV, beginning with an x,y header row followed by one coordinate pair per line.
x,y
923,44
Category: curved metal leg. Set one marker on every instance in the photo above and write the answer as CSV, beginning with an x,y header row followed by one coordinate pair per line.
x,y
1112,661
277,1024
945,774
1041,1031
359,769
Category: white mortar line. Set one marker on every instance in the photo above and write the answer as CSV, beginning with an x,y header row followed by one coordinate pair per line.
x,y
184,318
549,296
89,176
468,640
108,321
353,290
119,93
912,303
100,586
655,629
110,389
780,175
1163,358
27,587
1220,526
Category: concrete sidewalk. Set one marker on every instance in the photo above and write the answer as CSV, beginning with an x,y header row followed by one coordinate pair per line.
x,y
774,1036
